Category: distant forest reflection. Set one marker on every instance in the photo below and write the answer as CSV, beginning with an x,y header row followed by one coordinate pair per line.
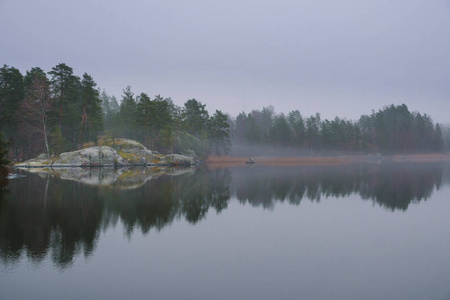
x,y
43,214
391,185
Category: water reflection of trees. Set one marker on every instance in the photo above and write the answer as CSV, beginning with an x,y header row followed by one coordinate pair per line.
x,y
391,185
31,222
43,215
165,198
47,215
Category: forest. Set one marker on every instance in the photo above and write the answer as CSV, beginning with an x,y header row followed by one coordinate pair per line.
x,y
57,111
393,129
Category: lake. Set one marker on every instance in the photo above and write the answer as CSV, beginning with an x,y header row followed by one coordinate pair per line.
x,y
356,231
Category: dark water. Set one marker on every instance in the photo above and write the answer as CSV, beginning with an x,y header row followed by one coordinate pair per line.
x,y
343,232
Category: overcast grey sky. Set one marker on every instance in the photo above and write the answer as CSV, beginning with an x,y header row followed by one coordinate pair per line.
x,y
340,58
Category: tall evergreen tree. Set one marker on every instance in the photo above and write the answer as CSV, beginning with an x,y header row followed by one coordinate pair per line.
x,y
313,132
280,132
264,121
145,117
240,127
127,113
63,83
91,111
11,95
218,134
252,131
438,138
195,117
297,125
153,117
31,75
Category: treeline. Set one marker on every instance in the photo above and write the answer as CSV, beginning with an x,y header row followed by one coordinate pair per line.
x,y
59,111
161,125
48,112
392,129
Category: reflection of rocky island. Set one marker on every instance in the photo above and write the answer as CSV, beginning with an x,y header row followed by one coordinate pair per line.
x,y
46,213
119,178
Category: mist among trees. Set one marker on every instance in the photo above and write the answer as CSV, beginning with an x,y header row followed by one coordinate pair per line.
x,y
393,129
57,111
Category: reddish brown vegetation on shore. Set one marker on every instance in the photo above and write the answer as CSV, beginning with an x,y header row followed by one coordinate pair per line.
x,y
423,157
228,161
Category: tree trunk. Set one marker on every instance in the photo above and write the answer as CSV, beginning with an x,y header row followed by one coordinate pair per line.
x,y
46,145
83,122
45,132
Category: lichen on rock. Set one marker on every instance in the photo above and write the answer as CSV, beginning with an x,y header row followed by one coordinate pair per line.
x,y
93,156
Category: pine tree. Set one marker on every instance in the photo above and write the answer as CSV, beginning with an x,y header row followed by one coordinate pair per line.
x,y
127,113
91,110
194,117
11,95
219,134
62,81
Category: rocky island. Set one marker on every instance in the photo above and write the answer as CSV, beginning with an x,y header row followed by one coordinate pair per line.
x,y
114,153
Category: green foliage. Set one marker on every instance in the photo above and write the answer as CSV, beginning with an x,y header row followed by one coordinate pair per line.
x,y
252,132
31,76
297,126
153,120
186,142
281,132
194,117
58,143
110,109
91,110
11,94
313,131
238,131
127,114
392,129
446,137
218,134
3,151
264,120
65,88
395,129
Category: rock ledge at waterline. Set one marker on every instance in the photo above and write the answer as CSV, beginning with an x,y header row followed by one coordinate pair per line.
x,y
128,153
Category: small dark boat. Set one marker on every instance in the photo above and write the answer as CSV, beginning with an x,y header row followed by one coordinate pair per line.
x,y
250,161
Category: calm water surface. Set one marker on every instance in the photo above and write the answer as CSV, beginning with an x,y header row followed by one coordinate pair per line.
x,y
343,232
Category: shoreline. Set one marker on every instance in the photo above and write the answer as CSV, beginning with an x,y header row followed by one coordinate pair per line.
x,y
218,161
233,161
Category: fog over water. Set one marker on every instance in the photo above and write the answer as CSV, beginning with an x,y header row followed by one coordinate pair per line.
x,y
338,58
